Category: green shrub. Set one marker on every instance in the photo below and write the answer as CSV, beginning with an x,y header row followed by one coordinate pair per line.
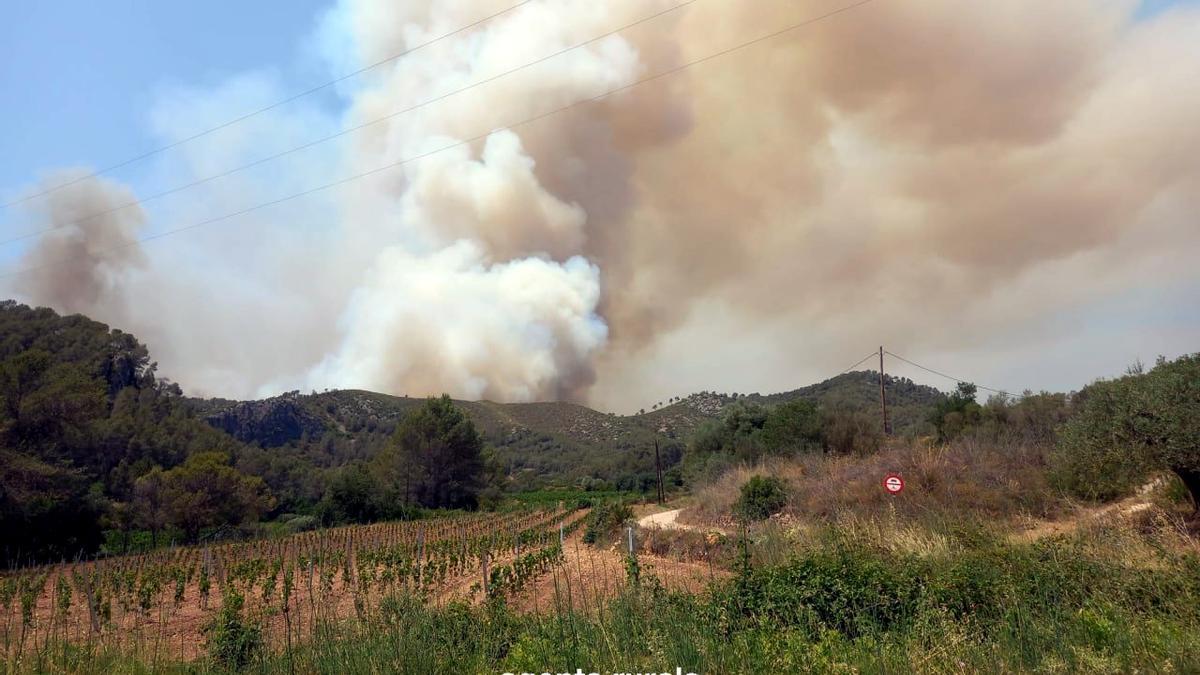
x,y
1176,492
301,524
233,640
851,590
794,426
605,520
956,413
1025,593
761,496
1123,429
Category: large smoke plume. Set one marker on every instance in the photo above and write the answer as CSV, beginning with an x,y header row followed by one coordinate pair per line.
x,y
933,174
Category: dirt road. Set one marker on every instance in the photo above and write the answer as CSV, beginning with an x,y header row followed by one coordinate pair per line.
x,y
665,520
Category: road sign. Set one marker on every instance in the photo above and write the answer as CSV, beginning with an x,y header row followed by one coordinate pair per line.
x,y
893,483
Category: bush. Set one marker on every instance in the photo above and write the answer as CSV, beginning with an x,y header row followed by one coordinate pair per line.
x,y
956,413
301,524
736,436
605,520
761,496
858,589
847,431
233,640
1124,428
850,590
794,426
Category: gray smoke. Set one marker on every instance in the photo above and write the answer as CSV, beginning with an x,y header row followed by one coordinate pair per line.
x,y
81,260
930,174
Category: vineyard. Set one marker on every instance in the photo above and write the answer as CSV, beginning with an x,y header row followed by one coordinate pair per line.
x,y
157,605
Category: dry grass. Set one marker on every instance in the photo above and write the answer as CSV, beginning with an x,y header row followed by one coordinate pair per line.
x,y
988,481
681,545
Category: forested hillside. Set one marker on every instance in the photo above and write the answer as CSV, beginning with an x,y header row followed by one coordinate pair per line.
x,y
82,418
535,444
93,440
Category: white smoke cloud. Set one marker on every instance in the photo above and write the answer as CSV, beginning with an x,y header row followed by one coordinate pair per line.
x,y
523,330
496,200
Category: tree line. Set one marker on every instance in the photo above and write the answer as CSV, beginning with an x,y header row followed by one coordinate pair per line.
x,y
1101,442
91,440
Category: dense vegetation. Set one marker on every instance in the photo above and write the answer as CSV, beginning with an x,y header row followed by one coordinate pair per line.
x,y
91,440
1126,427
83,418
97,451
606,521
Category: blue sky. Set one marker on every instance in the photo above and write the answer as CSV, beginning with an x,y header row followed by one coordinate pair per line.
x,y
79,76
1152,7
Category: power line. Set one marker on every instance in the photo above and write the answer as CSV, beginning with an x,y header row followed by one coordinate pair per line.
x,y
272,106
940,374
530,120
348,130
860,362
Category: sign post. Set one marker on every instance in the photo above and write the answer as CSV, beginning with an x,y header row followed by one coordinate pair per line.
x,y
893,483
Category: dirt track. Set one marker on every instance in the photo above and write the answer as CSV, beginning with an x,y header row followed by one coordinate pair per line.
x,y
666,520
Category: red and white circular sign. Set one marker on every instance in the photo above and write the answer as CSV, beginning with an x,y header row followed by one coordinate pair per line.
x,y
893,483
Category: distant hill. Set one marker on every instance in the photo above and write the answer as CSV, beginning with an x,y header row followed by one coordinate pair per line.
x,y
292,440
909,404
538,444
84,417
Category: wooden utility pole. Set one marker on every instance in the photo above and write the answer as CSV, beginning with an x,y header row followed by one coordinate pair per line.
x,y
883,397
658,471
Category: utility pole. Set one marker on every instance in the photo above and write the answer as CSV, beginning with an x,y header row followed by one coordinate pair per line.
x,y
883,397
658,471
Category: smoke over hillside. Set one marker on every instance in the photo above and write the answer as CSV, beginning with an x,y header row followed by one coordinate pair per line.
x,y
933,173
86,243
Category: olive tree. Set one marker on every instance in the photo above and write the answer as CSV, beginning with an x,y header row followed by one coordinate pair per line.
x,y
1121,429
